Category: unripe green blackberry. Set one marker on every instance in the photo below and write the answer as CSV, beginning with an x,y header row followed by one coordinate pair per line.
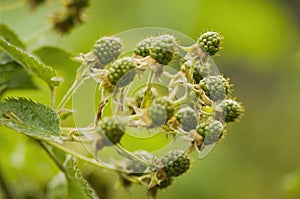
x,y
108,49
211,132
215,87
160,111
210,42
176,163
136,168
163,48
143,47
187,118
232,110
122,71
165,183
111,129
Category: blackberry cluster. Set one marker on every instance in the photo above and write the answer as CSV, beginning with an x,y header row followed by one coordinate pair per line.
x,y
122,71
111,129
160,111
108,49
211,132
176,163
191,107
232,110
215,87
187,119
210,42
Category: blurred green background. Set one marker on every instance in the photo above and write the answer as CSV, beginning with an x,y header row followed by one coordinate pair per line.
x,y
261,55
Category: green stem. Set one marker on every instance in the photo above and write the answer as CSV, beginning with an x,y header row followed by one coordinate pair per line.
x,y
131,155
79,156
59,165
80,77
147,94
53,98
182,100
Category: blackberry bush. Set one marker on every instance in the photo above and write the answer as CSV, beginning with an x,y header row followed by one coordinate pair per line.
x,y
187,102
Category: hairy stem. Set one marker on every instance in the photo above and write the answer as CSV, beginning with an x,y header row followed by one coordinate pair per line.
x,y
77,155
81,75
59,165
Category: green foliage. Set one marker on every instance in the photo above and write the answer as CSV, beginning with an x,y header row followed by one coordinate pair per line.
x,y
77,185
33,119
30,63
14,76
10,36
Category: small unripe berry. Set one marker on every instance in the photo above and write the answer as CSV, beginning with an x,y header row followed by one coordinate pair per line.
x,y
187,118
210,42
232,110
215,87
165,183
160,111
111,129
143,47
136,168
163,48
211,132
176,163
108,49
122,71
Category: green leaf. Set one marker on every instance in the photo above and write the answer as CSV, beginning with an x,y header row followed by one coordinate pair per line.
x,y
78,186
32,119
30,63
10,36
58,187
57,58
13,76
